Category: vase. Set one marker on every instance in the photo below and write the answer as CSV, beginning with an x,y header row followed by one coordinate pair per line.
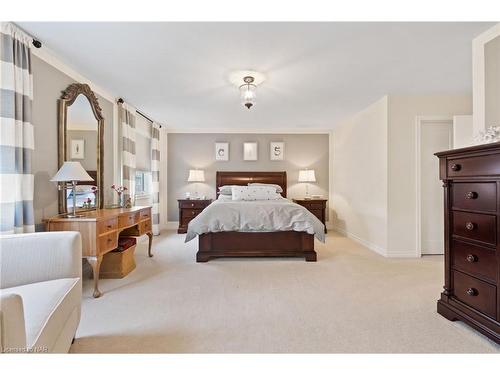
x,y
121,200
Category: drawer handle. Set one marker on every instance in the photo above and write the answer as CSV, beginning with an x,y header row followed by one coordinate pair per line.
x,y
470,226
192,204
456,167
109,240
471,258
109,226
471,195
192,212
471,292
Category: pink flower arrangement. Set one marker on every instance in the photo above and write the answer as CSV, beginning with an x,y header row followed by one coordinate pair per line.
x,y
119,189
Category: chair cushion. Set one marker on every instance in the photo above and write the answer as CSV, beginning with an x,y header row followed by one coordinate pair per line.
x,y
47,307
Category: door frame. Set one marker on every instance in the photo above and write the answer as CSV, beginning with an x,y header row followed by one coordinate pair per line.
x,y
419,122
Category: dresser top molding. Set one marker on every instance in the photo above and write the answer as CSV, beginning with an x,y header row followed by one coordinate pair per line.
x,y
97,215
483,147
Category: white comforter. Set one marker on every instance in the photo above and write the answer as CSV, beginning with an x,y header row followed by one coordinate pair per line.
x,y
255,216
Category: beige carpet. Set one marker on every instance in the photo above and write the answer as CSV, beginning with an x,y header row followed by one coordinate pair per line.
x,y
352,300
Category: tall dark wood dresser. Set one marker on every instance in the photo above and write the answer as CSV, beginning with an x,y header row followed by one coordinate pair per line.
x,y
471,181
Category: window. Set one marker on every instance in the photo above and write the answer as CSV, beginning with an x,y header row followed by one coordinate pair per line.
x,y
142,183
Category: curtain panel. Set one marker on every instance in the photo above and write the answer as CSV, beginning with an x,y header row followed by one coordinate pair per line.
x,y
155,172
127,119
16,131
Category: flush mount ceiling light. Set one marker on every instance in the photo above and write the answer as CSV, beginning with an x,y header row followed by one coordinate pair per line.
x,y
247,82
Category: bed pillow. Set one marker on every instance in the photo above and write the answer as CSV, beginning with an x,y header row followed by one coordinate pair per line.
x,y
278,188
254,193
226,189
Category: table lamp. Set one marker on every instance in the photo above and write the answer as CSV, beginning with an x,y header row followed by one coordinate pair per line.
x,y
196,175
71,172
307,175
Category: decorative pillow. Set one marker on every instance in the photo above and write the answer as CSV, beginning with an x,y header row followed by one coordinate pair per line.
x,y
254,193
278,188
226,189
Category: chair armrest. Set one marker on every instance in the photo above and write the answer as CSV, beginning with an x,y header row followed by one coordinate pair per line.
x,y
12,328
36,257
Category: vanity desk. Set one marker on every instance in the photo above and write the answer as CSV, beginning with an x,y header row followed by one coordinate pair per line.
x,y
100,230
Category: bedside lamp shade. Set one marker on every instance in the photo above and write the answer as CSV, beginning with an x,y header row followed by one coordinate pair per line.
x,y
196,175
71,171
307,175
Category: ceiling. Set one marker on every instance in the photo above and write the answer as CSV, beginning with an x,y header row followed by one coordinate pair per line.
x,y
316,73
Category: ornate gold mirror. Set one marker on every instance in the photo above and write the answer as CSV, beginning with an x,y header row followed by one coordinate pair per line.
x,y
81,132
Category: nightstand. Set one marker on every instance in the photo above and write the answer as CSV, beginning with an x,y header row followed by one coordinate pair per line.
x,y
316,207
188,210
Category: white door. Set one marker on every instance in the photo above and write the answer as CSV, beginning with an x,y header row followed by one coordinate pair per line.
x,y
434,136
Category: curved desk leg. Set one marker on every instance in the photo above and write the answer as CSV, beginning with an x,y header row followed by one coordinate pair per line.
x,y
150,235
95,262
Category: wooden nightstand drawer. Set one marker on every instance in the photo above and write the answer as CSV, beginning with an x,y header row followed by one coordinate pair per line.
x,y
193,203
188,210
108,242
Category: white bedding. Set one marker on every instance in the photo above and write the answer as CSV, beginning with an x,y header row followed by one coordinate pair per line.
x,y
226,215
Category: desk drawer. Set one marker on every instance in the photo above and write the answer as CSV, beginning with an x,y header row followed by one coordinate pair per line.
x,y
476,260
475,293
484,165
480,227
108,242
107,225
480,196
146,213
145,227
126,220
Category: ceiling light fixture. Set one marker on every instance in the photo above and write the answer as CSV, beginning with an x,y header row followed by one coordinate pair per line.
x,y
248,92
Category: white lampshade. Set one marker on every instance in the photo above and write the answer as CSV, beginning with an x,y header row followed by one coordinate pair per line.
x,y
307,175
196,175
71,171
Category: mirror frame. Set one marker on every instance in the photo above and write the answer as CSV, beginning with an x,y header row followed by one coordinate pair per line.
x,y
67,98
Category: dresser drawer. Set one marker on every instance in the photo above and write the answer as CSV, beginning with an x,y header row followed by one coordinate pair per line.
x,y
480,196
317,213
108,242
107,225
476,260
193,204
479,227
484,165
126,220
475,293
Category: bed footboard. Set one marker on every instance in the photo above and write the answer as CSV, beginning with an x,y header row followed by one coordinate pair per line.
x,y
262,244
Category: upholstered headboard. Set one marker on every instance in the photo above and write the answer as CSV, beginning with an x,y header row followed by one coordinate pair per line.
x,y
243,178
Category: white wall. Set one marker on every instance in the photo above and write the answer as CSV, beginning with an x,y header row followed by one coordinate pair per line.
x,y
359,192
402,113
492,82
462,131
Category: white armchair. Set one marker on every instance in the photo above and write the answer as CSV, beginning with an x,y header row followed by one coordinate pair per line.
x,y
40,291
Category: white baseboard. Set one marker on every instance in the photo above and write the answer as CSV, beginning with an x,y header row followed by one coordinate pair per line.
x,y
369,245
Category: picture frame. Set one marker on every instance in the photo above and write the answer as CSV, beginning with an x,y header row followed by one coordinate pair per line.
x,y
277,151
250,151
77,149
222,151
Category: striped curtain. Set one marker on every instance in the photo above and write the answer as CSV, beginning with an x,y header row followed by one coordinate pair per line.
x,y
16,131
127,115
155,171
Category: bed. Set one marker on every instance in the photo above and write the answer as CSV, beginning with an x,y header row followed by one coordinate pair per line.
x,y
217,238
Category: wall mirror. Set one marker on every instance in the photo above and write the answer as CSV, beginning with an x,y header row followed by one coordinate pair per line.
x,y
492,82
81,131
